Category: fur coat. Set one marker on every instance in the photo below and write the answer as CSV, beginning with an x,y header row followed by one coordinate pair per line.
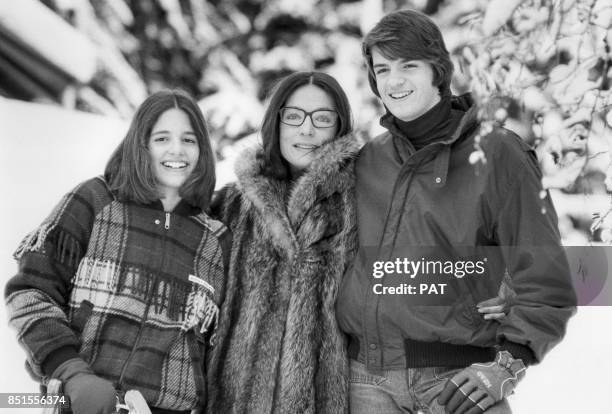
x,y
279,347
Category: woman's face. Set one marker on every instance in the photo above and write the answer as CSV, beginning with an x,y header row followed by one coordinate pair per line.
x,y
174,150
299,142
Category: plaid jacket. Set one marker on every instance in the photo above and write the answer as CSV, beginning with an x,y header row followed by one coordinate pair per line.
x,y
134,290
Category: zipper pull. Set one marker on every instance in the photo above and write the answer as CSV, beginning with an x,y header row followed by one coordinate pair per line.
x,y
167,224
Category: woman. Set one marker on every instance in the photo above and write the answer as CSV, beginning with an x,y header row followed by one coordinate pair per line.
x,y
119,288
291,214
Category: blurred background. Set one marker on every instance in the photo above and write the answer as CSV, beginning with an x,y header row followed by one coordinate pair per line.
x,y
540,66
72,72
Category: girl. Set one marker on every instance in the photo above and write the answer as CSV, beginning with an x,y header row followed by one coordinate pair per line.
x,y
291,214
119,288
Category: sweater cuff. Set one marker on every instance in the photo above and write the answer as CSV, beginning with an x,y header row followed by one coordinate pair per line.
x,y
57,358
519,351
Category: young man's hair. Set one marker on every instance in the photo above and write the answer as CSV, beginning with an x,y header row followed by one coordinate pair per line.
x,y
275,165
409,35
129,171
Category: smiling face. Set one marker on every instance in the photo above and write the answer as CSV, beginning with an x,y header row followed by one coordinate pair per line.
x,y
405,86
174,151
299,144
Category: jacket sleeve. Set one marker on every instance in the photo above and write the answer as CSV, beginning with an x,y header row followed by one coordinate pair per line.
x,y
37,296
540,275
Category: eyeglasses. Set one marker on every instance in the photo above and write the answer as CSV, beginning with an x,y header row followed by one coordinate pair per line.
x,y
321,118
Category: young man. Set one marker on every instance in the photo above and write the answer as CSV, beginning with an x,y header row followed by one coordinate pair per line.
x,y
436,236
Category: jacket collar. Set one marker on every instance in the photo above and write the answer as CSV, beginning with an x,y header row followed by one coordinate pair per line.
x,y
183,208
283,205
442,148
464,103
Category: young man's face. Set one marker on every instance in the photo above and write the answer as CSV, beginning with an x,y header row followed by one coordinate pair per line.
x,y
405,86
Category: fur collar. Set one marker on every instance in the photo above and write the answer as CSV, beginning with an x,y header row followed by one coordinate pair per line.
x,y
283,207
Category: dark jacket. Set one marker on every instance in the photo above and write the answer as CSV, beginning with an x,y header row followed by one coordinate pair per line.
x,y
280,348
434,204
129,288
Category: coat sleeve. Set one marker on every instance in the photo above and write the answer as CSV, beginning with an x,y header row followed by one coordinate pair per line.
x,y
37,296
348,235
225,207
537,264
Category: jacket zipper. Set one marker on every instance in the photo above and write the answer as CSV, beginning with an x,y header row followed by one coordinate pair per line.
x,y
147,306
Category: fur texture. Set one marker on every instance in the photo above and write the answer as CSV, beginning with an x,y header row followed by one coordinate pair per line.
x,y
280,349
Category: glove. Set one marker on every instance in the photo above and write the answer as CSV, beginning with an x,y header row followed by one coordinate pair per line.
x,y
89,394
480,386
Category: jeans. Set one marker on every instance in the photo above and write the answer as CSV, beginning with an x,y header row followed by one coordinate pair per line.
x,y
412,390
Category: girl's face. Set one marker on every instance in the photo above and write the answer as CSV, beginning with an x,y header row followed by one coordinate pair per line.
x,y
308,120
174,150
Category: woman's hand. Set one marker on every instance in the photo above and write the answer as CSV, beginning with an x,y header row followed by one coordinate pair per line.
x,y
494,308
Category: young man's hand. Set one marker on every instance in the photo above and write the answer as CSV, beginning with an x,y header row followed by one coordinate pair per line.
x,y
480,386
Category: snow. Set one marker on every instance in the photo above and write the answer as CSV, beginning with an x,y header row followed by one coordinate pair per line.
x,y
67,48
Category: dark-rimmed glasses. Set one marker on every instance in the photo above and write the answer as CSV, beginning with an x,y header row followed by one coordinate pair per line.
x,y
321,118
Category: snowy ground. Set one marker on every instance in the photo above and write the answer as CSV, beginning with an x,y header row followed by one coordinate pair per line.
x,y
44,151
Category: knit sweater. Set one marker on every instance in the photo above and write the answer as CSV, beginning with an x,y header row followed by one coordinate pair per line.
x,y
131,288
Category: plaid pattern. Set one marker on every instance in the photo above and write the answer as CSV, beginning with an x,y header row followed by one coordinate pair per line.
x,y
140,301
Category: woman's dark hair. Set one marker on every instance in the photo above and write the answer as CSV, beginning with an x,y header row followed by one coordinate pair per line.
x,y
275,164
129,171
410,35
